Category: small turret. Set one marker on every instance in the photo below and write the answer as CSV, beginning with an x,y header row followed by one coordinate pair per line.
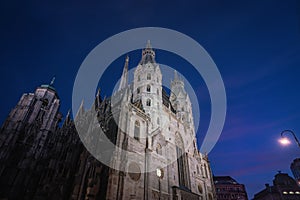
x,y
148,55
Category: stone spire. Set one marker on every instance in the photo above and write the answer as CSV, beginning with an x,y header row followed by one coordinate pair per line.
x,y
148,46
175,76
98,99
124,79
177,80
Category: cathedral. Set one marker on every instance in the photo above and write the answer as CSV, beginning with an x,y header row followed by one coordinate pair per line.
x,y
154,153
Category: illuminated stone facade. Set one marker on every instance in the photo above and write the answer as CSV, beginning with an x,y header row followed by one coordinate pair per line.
x,y
139,117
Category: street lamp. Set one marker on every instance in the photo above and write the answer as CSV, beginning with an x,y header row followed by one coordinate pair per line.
x,y
285,141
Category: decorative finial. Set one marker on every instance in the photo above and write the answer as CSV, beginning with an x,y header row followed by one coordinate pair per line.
x,y
68,113
127,58
52,81
81,104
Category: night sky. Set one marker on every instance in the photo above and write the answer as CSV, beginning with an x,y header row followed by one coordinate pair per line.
x,y
255,45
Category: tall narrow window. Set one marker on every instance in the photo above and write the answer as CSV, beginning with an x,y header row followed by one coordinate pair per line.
x,y
157,91
205,170
137,130
139,78
148,76
148,103
148,88
157,121
138,90
181,161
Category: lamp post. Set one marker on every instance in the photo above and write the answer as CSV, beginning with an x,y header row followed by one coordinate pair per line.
x,y
159,175
285,140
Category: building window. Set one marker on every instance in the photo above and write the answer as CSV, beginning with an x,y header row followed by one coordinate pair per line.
x,y
157,91
138,90
148,88
158,149
135,171
200,189
137,130
157,120
139,78
148,76
148,102
205,170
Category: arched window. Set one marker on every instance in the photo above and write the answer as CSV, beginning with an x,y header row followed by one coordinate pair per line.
x,y
148,103
148,76
148,88
181,160
158,149
201,168
200,189
139,78
137,130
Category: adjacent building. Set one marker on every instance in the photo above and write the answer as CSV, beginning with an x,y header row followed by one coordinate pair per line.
x,y
228,188
284,188
295,168
41,160
37,157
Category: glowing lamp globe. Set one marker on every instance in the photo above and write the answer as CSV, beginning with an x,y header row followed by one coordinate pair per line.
x,y
284,141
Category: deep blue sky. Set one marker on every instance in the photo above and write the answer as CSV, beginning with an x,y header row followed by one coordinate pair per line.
x,y
255,45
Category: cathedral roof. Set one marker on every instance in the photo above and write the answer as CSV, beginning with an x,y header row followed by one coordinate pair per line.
x,y
224,180
166,100
50,85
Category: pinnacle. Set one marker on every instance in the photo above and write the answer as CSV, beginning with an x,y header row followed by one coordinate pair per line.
x,y
148,46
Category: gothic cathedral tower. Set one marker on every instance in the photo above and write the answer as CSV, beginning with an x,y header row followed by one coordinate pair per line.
x,y
159,130
23,140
